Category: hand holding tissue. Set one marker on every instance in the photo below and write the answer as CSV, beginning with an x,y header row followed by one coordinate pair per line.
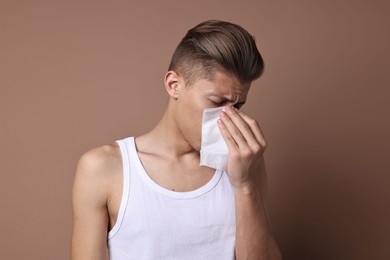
x,y
213,151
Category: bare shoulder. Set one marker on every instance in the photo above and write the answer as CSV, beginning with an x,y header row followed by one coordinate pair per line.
x,y
97,169
100,159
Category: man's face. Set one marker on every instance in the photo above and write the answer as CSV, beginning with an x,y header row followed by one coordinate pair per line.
x,y
224,89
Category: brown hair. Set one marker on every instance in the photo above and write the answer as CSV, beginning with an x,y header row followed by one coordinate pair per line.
x,y
215,44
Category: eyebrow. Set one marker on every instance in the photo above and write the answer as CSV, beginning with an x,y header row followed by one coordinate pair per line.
x,y
229,100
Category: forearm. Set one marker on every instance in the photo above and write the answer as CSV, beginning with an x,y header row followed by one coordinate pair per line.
x,y
254,238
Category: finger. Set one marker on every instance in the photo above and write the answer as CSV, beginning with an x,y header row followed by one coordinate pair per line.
x,y
243,126
254,126
230,143
233,130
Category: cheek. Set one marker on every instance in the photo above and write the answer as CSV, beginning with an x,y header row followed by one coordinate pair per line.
x,y
193,110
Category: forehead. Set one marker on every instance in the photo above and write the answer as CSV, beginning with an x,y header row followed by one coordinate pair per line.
x,y
223,84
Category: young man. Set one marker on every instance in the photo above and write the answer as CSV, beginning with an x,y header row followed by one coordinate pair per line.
x,y
146,197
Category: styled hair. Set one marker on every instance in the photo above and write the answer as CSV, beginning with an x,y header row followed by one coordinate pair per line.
x,y
217,45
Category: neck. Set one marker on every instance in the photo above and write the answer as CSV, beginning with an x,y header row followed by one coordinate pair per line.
x,y
166,138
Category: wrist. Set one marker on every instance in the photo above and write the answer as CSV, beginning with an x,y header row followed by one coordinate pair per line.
x,y
249,190
246,189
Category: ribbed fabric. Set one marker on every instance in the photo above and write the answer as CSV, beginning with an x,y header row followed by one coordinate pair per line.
x,y
156,223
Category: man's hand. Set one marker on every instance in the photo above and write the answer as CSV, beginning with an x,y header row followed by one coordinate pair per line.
x,y
246,145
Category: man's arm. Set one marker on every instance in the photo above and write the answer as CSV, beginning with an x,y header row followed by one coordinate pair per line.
x,y
247,174
254,237
89,202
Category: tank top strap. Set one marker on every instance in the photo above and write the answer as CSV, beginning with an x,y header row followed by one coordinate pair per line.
x,y
123,146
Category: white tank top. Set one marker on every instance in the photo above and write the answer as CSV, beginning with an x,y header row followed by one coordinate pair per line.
x,y
156,223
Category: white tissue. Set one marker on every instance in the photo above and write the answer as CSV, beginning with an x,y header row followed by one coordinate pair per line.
x,y
213,149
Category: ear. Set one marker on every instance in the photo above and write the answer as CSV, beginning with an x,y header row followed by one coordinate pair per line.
x,y
173,83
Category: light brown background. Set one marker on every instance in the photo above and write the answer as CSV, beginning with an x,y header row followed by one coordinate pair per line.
x,y
79,74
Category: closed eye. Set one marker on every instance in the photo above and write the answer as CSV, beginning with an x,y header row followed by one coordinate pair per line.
x,y
217,103
236,106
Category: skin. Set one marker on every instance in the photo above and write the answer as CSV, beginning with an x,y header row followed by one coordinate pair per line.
x,y
170,155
